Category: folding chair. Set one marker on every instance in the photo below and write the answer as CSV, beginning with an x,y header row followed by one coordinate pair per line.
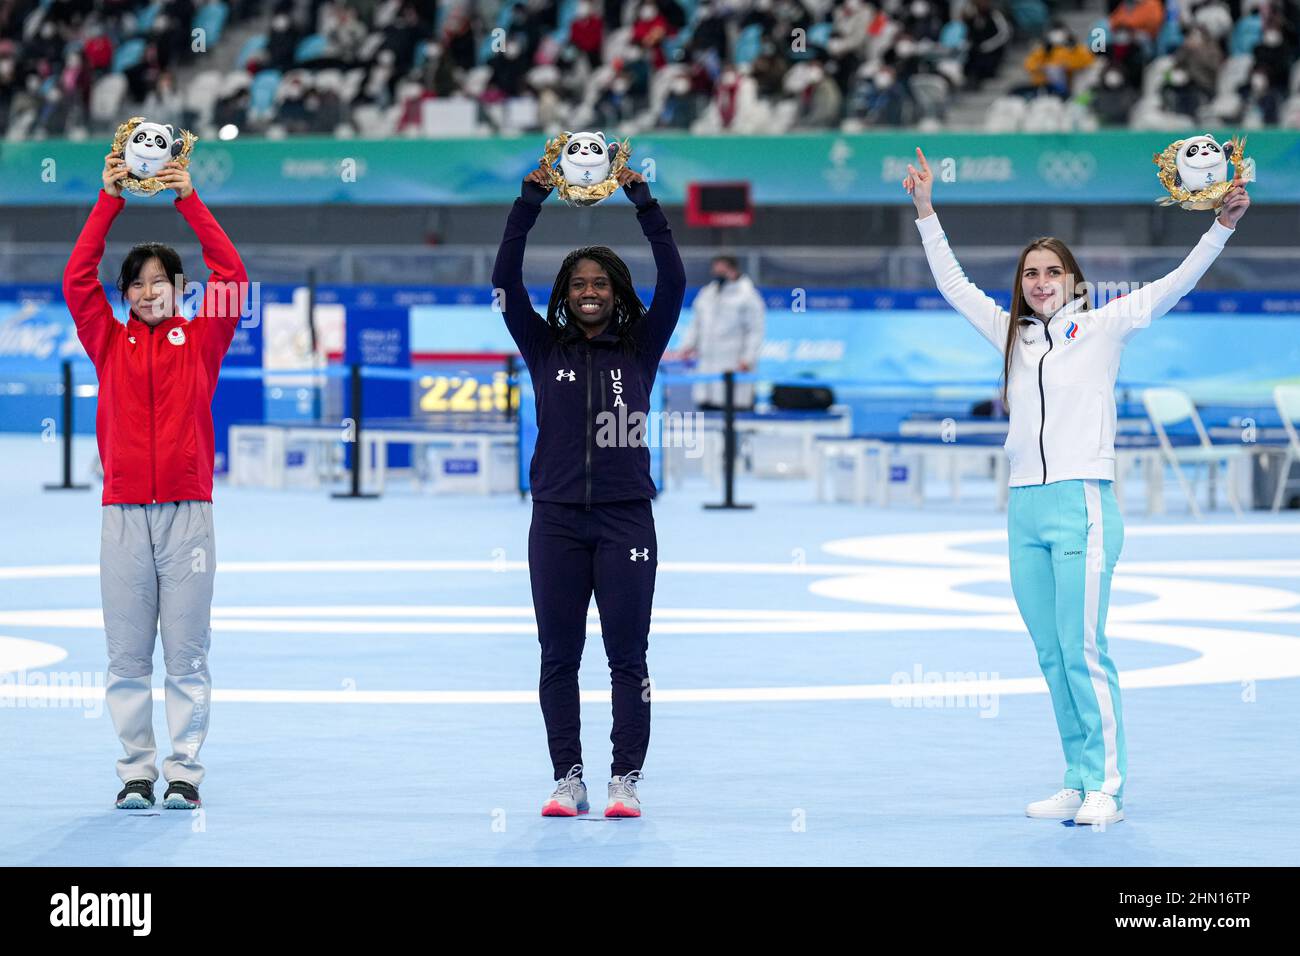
x,y
1287,400
1170,406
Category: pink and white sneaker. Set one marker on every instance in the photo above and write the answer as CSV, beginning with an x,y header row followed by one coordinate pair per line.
x,y
623,801
570,796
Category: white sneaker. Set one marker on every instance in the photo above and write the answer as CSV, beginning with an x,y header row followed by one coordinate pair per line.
x,y
623,801
570,796
1098,809
1061,805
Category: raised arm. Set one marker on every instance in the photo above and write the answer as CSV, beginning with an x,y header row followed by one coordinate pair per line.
x,y
223,294
1125,315
979,309
527,328
82,290
670,281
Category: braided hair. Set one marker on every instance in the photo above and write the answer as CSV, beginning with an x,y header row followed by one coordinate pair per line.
x,y
628,309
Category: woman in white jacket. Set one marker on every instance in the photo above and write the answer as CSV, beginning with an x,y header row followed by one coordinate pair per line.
x,y
1060,359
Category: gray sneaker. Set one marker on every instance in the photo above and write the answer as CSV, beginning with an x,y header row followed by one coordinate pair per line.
x,y
623,801
570,796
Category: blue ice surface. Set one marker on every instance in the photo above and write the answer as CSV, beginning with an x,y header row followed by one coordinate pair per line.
x,y
1212,768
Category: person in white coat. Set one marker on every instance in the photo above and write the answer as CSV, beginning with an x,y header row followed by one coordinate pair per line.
x,y
725,334
1060,359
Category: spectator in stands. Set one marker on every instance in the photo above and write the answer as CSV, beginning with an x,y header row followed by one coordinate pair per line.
x,y
508,69
650,31
587,32
1142,17
988,33
74,81
1129,55
710,34
458,38
344,34
1259,100
768,70
97,49
1212,16
681,106
439,74
282,43
879,99
1179,95
1053,63
10,85
1114,99
1201,56
820,102
164,103
232,108
728,96
291,114
525,27
923,20
1274,56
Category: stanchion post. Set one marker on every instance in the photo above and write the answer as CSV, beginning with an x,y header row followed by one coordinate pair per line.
x,y
729,446
358,448
67,428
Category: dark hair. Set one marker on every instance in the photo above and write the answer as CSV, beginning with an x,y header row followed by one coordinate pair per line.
x,y
1021,308
168,257
628,309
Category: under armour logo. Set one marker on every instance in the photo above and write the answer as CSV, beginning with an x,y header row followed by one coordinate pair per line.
x,y
566,376
642,555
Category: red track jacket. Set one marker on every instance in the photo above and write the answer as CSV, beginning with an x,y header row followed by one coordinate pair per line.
x,y
154,418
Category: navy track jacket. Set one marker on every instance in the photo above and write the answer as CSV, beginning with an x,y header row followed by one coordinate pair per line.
x,y
575,379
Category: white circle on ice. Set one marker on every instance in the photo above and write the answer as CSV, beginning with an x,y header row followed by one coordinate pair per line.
x,y
20,654
919,575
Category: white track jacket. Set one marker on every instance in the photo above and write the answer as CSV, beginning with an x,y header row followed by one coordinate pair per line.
x,y
1062,384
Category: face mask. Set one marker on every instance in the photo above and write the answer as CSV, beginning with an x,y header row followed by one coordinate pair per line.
x,y
884,79
1259,83
1058,38
1114,80
920,8
1272,38
1178,78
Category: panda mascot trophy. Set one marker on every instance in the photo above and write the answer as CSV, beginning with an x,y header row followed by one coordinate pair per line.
x,y
1195,171
587,169
147,147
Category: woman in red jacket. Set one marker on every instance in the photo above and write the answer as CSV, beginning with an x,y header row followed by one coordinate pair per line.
x,y
157,374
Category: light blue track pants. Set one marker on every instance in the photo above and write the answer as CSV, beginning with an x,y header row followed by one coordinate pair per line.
x,y
1065,538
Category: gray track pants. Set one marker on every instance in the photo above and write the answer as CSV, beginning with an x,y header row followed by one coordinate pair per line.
x,y
156,567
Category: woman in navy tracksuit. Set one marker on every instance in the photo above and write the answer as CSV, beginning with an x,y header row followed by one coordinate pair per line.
x,y
592,360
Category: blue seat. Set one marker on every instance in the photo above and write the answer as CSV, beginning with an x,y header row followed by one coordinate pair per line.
x,y
1030,15
128,55
252,46
953,35
311,48
748,44
1245,35
261,95
212,21
145,18
1170,38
